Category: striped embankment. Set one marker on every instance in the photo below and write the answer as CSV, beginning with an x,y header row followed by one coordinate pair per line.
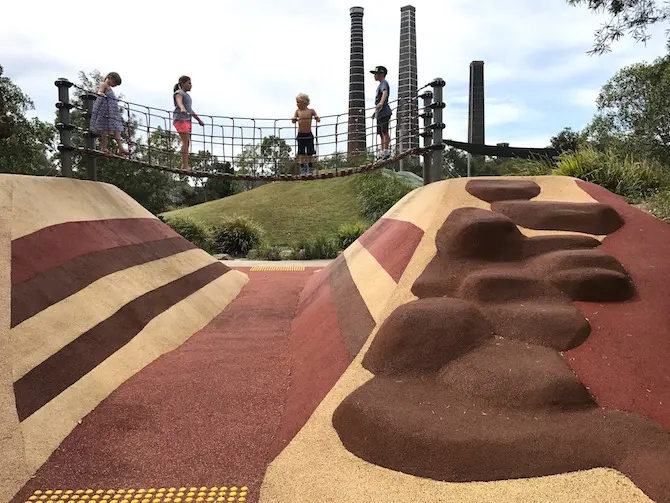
x,y
95,289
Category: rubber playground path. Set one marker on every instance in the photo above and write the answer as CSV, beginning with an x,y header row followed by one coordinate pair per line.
x,y
163,426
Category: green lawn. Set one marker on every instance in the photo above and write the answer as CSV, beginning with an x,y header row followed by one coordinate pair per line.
x,y
288,211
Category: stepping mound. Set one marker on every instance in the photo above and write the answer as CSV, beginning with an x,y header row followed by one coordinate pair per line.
x,y
98,289
480,364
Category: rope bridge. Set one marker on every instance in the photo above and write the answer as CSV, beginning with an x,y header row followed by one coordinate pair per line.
x,y
244,148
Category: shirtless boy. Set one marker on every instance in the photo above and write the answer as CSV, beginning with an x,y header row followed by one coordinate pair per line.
x,y
303,116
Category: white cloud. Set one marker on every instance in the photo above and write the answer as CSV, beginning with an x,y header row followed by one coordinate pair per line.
x,y
252,58
584,97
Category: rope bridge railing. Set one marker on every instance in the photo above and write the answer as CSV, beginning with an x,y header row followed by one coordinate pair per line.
x,y
242,148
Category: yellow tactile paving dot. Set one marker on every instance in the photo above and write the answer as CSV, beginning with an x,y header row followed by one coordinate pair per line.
x,y
277,268
215,494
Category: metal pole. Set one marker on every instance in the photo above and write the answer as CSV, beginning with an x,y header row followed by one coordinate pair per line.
x,y
427,134
469,164
89,136
64,125
438,153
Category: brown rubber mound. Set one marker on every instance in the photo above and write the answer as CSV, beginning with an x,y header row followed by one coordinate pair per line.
x,y
592,218
560,326
477,234
540,245
428,428
502,190
449,328
451,403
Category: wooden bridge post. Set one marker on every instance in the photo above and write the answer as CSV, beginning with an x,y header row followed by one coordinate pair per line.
x,y
89,136
437,126
64,125
427,134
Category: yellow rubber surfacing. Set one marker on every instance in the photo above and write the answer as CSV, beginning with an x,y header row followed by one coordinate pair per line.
x,y
257,268
218,494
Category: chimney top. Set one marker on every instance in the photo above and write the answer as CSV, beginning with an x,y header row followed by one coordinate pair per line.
x,y
356,11
475,63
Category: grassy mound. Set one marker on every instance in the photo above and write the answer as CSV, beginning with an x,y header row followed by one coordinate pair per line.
x,y
289,212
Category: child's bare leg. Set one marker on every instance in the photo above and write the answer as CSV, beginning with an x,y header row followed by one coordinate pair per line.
x,y
185,141
103,141
119,142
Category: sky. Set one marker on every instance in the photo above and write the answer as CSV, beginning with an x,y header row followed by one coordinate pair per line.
x,y
250,58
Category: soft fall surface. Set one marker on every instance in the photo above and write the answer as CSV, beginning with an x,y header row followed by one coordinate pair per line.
x,y
162,427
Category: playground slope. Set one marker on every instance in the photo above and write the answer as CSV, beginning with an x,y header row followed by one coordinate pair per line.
x,y
94,289
474,373
433,314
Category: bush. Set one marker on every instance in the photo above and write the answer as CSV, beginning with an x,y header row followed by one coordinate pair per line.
x,y
348,233
627,177
192,230
236,235
658,205
377,193
524,167
319,248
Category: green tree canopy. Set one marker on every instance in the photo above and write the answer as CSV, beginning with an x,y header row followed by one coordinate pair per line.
x,y
634,111
566,141
27,146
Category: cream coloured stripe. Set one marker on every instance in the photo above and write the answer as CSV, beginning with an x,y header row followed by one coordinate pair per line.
x,y
42,335
373,282
13,469
418,206
45,429
41,201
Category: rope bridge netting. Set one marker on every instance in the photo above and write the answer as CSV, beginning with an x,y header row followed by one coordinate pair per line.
x,y
245,148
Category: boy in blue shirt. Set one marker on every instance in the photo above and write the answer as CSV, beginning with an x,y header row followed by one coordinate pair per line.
x,y
382,110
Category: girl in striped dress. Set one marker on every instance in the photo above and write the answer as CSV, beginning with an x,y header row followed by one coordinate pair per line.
x,y
106,117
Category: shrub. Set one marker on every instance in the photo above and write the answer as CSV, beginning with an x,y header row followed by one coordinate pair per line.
x,y
236,235
192,230
377,193
524,167
658,204
320,248
350,232
625,176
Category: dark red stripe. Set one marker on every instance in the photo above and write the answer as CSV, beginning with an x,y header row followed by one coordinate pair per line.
x,y
319,357
355,321
55,245
54,285
204,414
58,372
625,362
392,243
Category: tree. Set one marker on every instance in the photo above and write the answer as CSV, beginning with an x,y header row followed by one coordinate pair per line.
x,y
27,146
275,155
634,110
631,16
566,141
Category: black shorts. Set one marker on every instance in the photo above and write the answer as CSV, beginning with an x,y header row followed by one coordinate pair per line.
x,y
306,144
383,124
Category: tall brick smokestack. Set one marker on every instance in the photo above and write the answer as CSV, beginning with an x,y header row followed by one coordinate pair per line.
x,y
356,130
407,132
476,103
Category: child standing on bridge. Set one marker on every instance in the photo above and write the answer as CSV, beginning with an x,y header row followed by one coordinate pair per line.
x,y
106,116
182,116
303,116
